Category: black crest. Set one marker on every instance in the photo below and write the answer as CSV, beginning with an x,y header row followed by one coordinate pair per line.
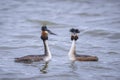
x,y
74,30
44,28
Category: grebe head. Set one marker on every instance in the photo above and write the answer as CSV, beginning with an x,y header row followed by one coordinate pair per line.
x,y
45,31
74,34
44,28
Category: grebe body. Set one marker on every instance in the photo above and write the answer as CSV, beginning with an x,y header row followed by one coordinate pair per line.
x,y
72,53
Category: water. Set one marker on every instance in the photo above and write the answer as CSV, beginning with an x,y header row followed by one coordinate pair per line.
x,y
98,21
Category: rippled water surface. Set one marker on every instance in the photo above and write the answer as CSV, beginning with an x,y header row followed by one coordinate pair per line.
x,y
98,21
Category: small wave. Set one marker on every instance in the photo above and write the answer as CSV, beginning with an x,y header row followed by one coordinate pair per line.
x,y
53,24
97,33
112,52
25,36
11,47
7,48
102,67
114,36
88,14
42,22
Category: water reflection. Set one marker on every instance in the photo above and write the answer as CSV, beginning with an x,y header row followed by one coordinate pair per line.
x,y
73,66
44,68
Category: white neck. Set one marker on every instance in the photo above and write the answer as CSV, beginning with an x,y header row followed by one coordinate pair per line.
x,y
48,55
72,52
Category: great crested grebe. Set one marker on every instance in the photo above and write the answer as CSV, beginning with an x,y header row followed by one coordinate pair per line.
x,y
47,54
72,53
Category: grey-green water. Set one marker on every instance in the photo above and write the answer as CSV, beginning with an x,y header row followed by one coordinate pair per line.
x,y
98,21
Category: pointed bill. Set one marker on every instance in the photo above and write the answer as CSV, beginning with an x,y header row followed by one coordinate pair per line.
x,y
51,32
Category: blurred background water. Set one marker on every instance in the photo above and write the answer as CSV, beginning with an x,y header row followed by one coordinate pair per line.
x,y
98,21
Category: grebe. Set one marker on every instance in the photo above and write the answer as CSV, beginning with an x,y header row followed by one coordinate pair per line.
x,y
72,53
47,54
